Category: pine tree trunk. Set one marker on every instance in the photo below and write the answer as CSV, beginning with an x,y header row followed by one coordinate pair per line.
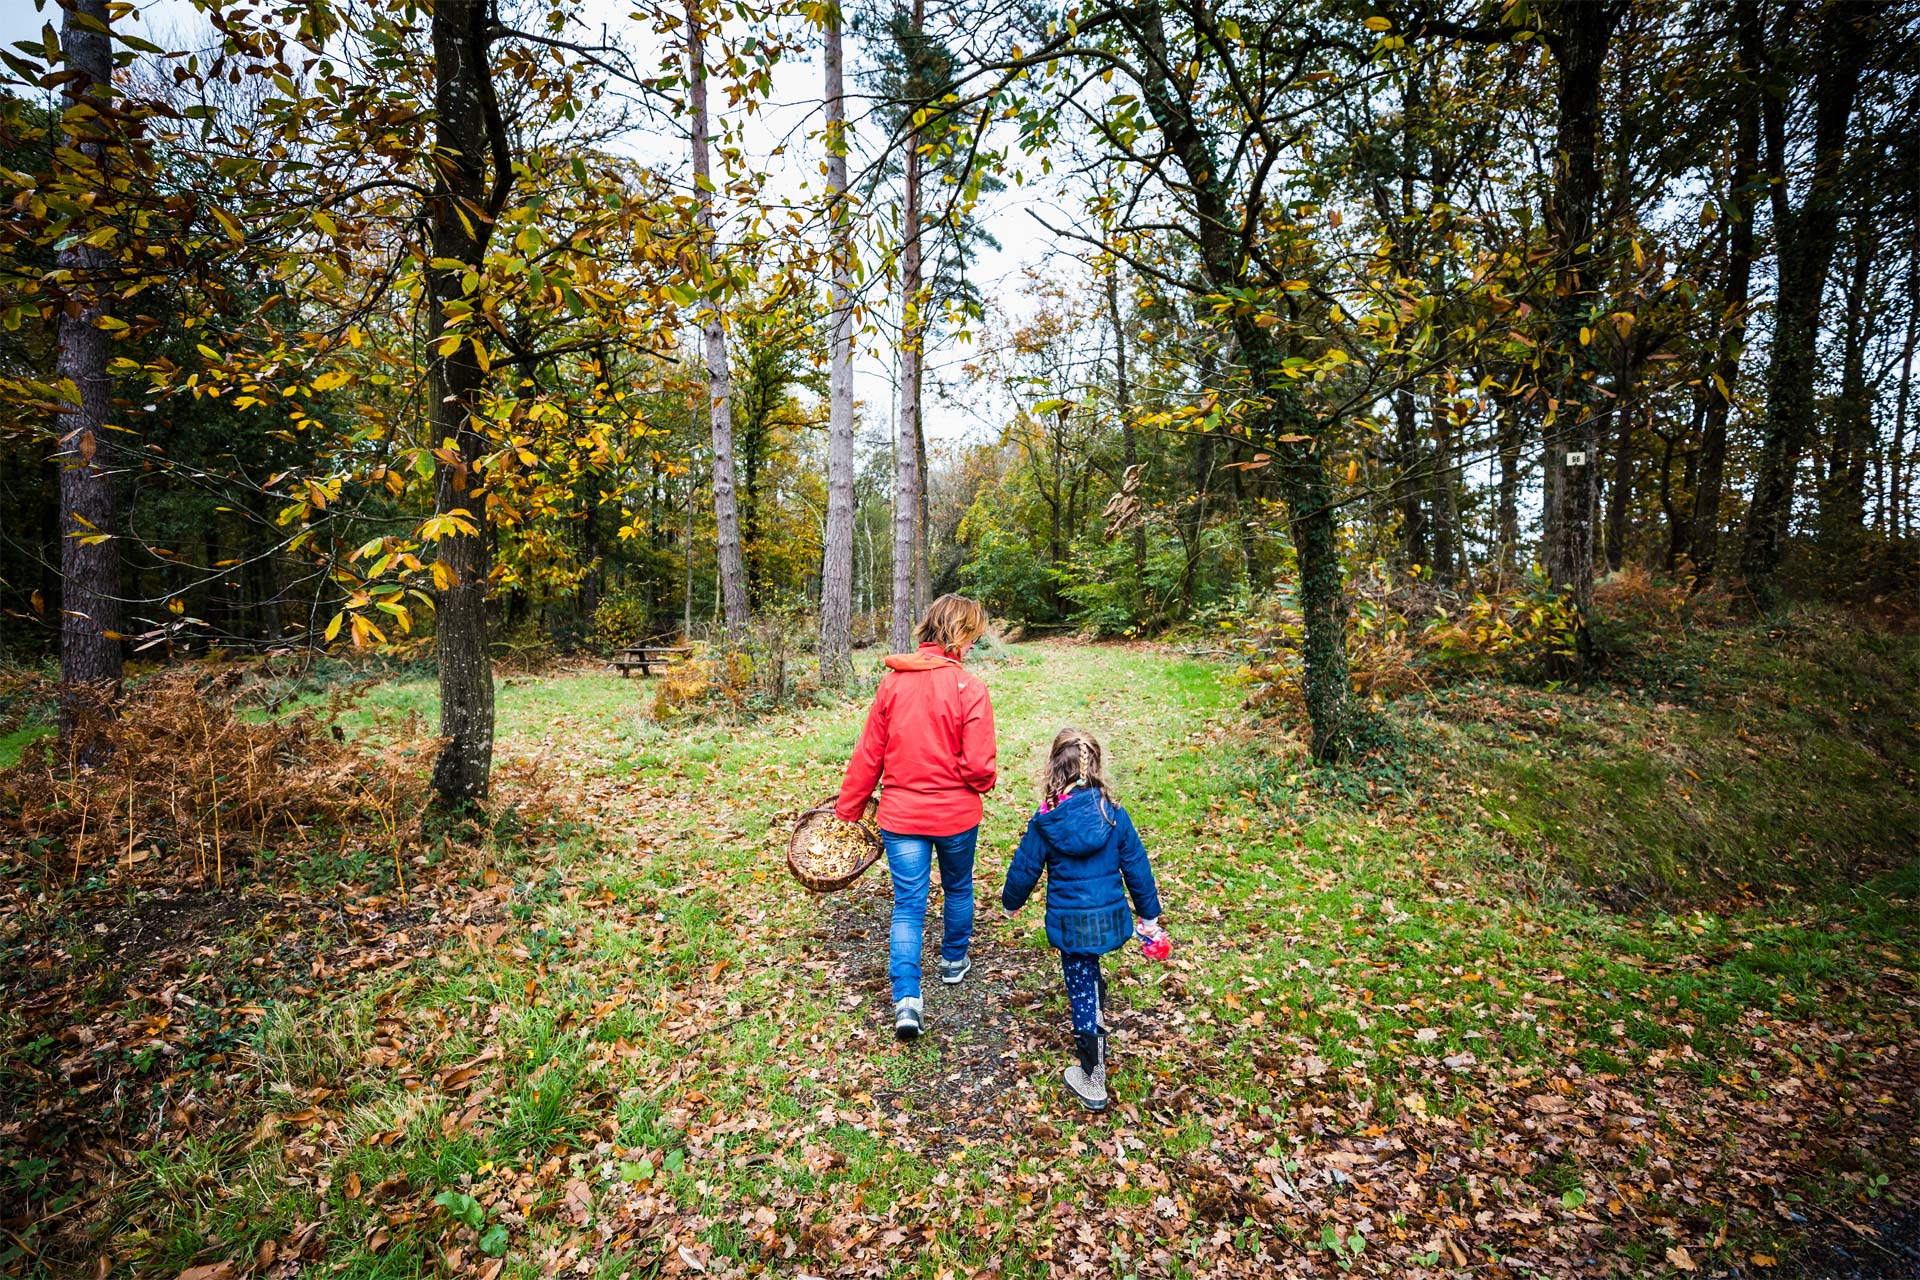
x,y
731,563
922,478
906,444
1739,204
1572,436
1806,239
463,105
836,573
90,652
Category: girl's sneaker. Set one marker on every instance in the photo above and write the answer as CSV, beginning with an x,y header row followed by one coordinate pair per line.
x,y
1087,1078
954,972
906,1018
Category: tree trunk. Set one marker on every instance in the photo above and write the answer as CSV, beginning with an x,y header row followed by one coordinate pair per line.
x,y
1806,242
90,653
1446,568
906,444
1282,418
590,553
1243,522
686,541
467,129
731,564
1572,431
923,478
1620,493
1899,519
1843,495
1408,481
1509,497
836,573
1123,410
1193,524
1739,205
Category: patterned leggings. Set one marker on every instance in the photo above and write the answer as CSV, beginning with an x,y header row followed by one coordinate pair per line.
x,y
1086,989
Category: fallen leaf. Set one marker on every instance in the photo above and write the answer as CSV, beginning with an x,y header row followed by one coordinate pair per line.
x,y
1679,1257
211,1271
579,1202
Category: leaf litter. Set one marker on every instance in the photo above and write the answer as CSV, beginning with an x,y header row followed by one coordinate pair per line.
x,y
649,1049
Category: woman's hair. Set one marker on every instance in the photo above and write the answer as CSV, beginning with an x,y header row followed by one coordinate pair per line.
x,y
1074,761
953,623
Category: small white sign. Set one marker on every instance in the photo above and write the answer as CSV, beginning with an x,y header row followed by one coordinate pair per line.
x,y
1576,459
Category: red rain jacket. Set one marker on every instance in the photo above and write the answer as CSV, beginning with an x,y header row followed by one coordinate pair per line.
x,y
929,735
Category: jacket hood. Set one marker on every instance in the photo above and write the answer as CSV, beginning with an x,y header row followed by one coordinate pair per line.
x,y
1077,826
928,657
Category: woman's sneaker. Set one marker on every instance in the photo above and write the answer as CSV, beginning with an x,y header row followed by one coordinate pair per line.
x,y
906,1018
1087,1078
954,972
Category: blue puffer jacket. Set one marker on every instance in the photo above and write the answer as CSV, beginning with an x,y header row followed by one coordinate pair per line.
x,y
1093,860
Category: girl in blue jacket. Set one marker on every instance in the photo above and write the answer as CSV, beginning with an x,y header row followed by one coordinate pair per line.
x,y
1086,846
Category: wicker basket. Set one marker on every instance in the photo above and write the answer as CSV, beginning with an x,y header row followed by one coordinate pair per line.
x,y
803,831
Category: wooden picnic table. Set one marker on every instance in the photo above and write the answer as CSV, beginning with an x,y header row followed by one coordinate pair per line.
x,y
648,656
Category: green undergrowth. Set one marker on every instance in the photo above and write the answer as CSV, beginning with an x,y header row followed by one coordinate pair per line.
x,y
1765,759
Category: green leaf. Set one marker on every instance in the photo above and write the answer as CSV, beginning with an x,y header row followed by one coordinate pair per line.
x,y
462,1208
494,1242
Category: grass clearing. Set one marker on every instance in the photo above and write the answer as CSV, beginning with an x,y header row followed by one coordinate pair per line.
x,y
1410,1022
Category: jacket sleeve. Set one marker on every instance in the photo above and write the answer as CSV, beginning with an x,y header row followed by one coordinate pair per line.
x,y
1023,873
863,770
1137,871
979,752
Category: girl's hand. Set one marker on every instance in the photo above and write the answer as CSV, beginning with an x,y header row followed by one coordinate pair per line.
x,y
1152,928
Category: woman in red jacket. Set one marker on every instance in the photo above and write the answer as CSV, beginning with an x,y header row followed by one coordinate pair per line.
x,y
929,737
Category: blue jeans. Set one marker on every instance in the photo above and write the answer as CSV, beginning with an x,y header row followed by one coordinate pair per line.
x,y
910,860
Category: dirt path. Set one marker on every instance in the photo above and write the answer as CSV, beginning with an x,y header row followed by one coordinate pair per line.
x,y
961,1082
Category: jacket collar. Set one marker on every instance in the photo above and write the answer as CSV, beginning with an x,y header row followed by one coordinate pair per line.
x,y
928,657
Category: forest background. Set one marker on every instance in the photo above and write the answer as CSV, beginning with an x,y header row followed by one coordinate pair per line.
x,y
1528,357
1421,302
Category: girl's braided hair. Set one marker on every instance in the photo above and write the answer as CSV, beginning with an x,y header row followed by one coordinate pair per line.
x,y
1074,761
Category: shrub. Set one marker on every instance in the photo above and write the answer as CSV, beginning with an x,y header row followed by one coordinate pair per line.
x,y
619,619
189,779
766,669
1522,631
